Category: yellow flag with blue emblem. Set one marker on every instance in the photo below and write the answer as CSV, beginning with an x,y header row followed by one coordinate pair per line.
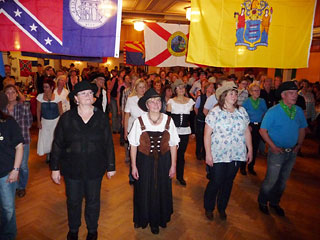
x,y
251,33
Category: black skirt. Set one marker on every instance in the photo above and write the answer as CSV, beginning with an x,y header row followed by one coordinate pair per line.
x,y
153,191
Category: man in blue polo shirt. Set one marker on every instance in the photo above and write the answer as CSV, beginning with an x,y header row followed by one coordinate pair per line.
x,y
283,128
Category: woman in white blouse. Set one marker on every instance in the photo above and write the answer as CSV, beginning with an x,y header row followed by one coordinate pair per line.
x,y
153,140
62,92
132,110
179,109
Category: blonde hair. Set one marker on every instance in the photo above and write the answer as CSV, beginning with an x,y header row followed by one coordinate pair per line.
x,y
134,90
64,77
252,85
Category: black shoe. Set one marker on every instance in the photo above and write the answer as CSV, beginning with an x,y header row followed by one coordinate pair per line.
x,y
223,215
252,172
72,236
243,171
155,230
182,182
279,210
163,225
264,209
209,215
92,236
21,193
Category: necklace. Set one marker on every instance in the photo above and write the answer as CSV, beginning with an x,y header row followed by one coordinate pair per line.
x,y
154,121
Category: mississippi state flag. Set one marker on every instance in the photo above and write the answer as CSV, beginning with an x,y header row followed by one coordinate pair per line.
x,y
69,27
166,44
25,68
134,53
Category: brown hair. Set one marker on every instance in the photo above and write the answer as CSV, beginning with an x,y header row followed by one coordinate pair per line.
x,y
222,100
50,82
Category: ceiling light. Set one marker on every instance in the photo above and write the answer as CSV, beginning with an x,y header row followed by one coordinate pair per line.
x,y
139,26
188,13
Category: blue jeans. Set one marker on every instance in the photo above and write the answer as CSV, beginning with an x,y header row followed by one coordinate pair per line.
x,y
8,226
24,170
279,167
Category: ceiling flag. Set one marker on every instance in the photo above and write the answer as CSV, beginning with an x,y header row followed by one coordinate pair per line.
x,y
166,44
70,27
251,33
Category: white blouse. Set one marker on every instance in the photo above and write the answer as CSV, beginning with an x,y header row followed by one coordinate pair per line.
x,y
181,108
64,99
134,110
134,135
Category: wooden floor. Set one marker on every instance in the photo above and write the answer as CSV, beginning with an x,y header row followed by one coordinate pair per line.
x,y
42,214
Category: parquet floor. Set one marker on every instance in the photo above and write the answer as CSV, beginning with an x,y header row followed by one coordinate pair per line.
x,y
42,214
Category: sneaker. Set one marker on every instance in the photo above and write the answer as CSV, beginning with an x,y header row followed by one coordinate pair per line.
x,y
279,210
209,215
264,209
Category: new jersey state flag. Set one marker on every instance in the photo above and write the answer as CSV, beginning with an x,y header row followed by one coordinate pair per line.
x,y
251,33
166,44
134,53
69,27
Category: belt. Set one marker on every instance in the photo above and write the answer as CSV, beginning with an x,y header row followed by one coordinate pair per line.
x,y
287,149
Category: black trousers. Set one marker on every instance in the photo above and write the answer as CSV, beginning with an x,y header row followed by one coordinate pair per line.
x,y
184,139
75,191
220,185
256,138
200,151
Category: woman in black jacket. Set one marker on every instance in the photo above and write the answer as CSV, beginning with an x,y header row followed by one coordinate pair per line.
x,y
82,152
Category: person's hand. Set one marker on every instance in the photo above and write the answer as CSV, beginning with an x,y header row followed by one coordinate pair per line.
x,y
125,135
172,171
56,176
135,173
249,157
209,159
13,176
276,150
111,174
39,125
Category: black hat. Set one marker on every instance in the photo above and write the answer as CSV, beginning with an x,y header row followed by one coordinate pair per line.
x,y
3,101
81,86
289,85
95,75
151,93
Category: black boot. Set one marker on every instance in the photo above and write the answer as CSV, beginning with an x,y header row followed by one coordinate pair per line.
x,y
72,236
92,236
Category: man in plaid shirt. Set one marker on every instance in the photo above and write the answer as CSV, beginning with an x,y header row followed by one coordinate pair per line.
x,y
22,114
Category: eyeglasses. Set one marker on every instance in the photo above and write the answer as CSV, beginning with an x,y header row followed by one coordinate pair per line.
x,y
85,93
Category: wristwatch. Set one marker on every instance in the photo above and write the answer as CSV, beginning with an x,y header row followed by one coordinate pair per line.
x,y
16,169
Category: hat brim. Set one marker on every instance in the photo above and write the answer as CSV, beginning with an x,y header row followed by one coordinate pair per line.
x,y
93,87
142,103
